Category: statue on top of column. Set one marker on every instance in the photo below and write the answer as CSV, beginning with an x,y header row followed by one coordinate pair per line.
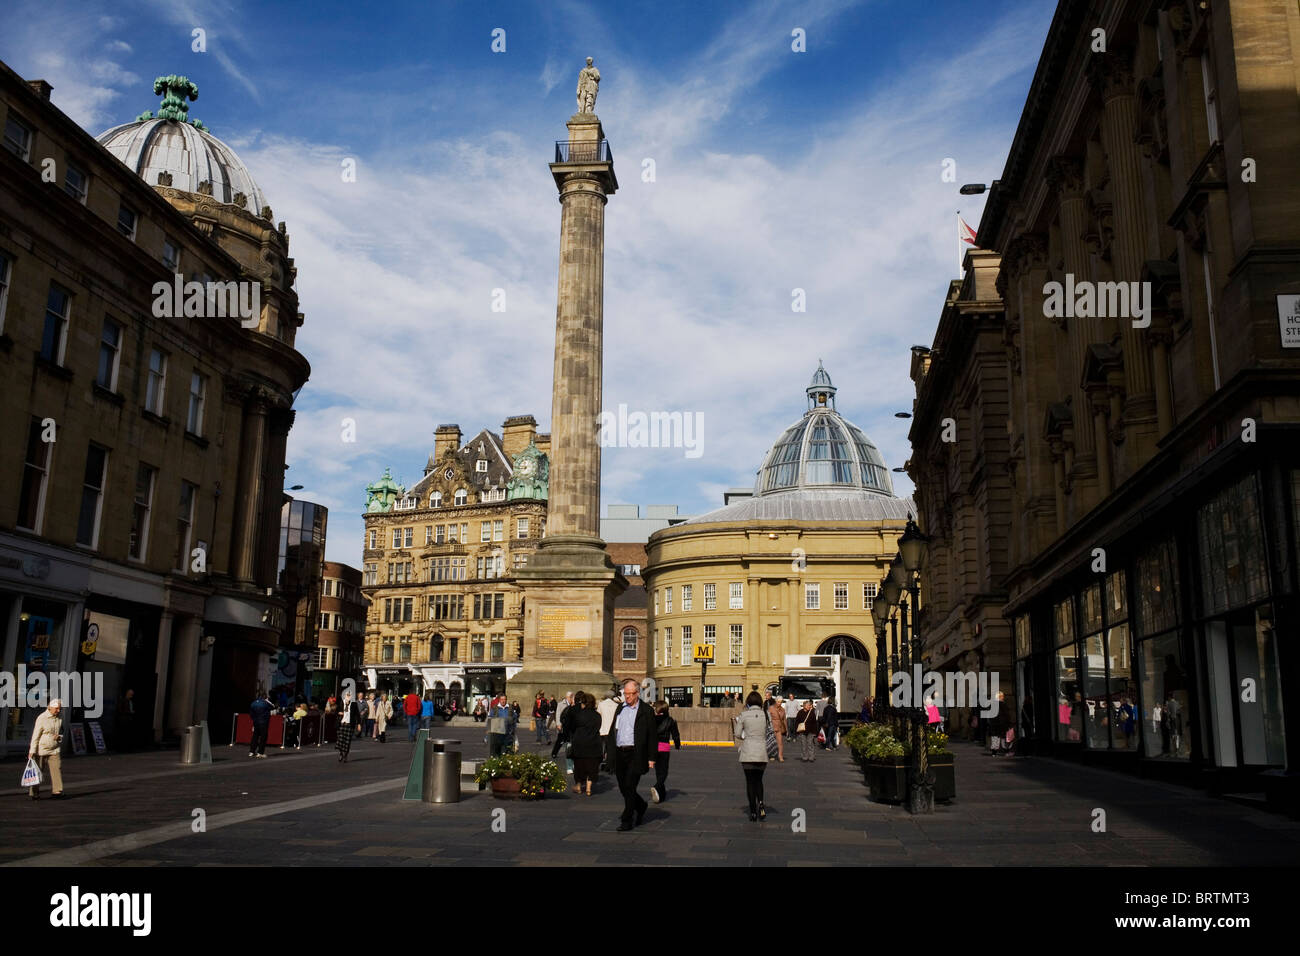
x,y
588,81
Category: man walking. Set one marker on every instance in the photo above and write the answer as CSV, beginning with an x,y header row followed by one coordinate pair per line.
x,y
831,724
541,711
634,746
260,711
46,749
562,732
607,707
412,707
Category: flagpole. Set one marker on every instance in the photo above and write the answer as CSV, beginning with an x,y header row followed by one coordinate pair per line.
x,y
960,258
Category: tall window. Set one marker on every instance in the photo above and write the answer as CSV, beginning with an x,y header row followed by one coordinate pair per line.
x,y
485,531
440,534
36,470
497,646
687,591
409,536
710,597
711,638
153,399
18,138
397,537
737,644
126,219
668,646
139,543
371,576
1211,98
841,595
110,350
372,539
812,597
75,182
521,527
656,600
736,598
668,600
629,643
198,398
868,596
54,335
5,268
428,533
476,647
686,644
461,496
171,256
451,533
498,530
92,497
435,500
184,524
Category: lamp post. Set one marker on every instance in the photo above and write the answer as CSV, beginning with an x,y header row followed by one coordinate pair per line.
x,y
911,548
889,588
880,615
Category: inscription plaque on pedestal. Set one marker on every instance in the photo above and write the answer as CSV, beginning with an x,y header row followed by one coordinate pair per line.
x,y
563,630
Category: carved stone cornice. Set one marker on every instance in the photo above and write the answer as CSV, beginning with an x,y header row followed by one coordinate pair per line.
x,y
1065,176
1025,253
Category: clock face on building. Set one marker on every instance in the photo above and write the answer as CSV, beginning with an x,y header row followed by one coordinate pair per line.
x,y
527,467
449,474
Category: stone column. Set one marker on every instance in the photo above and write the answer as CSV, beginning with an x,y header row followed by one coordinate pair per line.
x,y
1119,122
252,464
161,664
185,668
1066,177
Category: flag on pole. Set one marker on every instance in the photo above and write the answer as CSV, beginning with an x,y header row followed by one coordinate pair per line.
x,y
965,232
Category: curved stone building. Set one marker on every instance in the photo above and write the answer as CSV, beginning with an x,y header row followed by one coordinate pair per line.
x,y
791,568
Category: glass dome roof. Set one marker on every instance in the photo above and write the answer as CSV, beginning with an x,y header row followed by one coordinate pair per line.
x,y
823,451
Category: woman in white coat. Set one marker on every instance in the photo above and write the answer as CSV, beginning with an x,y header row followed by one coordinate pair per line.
x,y
751,744
383,711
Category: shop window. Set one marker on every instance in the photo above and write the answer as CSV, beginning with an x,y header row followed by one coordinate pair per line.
x,y
1166,698
1233,568
1068,705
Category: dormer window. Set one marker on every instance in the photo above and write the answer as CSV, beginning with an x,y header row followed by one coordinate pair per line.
x,y
481,465
435,500
462,497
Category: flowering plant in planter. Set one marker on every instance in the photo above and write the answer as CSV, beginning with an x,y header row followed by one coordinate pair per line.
x,y
535,775
873,742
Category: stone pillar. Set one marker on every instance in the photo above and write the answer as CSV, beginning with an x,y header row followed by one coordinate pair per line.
x,y
1119,122
185,669
1066,177
161,664
252,464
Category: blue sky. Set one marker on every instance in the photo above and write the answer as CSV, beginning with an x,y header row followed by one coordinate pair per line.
x,y
774,170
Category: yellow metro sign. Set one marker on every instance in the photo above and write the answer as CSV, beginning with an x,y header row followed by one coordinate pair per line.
x,y
704,653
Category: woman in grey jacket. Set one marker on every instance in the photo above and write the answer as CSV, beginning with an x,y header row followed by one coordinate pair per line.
x,y
751,742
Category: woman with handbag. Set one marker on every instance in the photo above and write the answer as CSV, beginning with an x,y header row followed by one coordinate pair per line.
x,y
383,711
585,741
349,717
750,730
805,725
499,719
668,735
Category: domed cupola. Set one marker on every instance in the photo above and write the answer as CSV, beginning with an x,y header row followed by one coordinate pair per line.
x,y
823,452
171,149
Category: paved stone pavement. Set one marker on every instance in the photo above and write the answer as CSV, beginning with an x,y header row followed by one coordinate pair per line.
x,y
304,808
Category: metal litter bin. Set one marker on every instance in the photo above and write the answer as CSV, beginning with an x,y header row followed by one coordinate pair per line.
x,y
441,771
191,744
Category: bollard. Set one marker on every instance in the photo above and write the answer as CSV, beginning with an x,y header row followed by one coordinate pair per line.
x,y
441,772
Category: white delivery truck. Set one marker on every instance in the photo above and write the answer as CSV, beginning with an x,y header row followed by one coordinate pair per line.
x,y
845,680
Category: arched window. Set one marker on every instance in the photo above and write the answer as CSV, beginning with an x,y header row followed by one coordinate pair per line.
x,y
462,496
629,643
435,500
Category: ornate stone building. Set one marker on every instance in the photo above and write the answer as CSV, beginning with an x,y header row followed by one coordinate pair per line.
x,y
141,457
342,630
792,568
1147,228
440,562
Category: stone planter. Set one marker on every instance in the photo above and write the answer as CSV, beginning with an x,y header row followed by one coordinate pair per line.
x,y
887,779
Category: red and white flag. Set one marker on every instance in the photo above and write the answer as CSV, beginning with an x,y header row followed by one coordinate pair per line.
x,y
965,232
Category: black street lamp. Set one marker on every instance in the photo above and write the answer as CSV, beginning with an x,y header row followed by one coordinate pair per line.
x,y
911,549
880,616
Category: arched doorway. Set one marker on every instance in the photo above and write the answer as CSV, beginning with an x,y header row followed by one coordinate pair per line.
x,y
845,646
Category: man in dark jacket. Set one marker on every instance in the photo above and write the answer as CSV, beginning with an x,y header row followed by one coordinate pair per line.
x,y
634,744
541,710
830,721
260,711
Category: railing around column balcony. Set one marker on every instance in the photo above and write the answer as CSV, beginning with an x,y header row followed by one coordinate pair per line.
x,y
570,152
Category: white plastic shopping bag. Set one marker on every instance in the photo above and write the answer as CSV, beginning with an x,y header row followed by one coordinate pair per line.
x,y
31,774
